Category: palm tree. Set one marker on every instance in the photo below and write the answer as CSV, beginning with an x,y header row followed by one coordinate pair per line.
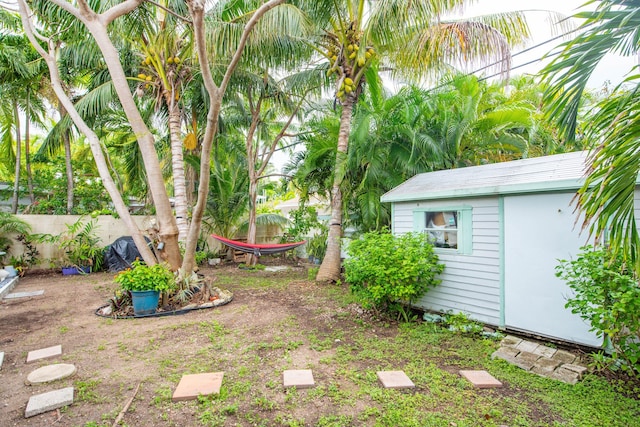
x,y
607,197
353,37
21,74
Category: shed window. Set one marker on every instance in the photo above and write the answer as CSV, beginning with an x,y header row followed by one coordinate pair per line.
x,y
442,228
448,227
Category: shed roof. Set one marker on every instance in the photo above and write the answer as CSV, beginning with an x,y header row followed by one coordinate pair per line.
x,y
549,173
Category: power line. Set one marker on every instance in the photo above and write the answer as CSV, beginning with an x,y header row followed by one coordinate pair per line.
x,y
489,66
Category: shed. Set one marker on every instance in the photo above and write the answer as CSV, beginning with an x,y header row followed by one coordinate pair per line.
x,y
500,230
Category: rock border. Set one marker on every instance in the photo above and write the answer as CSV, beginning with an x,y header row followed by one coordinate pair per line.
x,y
226,298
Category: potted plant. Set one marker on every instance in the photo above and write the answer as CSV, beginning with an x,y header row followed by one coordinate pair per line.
x,y
145,282
80,246
317,247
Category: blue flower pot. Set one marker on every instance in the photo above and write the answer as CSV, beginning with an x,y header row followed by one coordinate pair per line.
x,y
144,302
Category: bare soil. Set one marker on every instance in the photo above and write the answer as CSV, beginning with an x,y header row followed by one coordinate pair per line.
x,y
114,355
291,324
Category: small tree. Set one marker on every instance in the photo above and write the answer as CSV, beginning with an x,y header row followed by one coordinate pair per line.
x,y
387,272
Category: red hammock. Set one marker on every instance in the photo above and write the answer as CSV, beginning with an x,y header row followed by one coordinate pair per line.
x,y
259,249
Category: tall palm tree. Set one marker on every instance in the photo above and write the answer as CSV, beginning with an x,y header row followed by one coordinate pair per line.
x,y
613,134
411,37
21,75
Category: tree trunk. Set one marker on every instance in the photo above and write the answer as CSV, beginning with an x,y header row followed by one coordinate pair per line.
x,y
177,165
94,142
167,228
331,265
16,182
68,166
251,232
27,153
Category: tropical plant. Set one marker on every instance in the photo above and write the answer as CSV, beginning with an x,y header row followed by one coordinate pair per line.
x,y
143,277
607,196
607,296
11,228
356,41
81,17
79,245
388,272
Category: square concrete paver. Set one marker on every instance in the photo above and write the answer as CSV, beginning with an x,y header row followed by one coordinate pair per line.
x,y
395,379
192,386
44,353
481,379
48,401
299,378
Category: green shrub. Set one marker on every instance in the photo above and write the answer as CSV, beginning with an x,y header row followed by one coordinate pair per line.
x,y
143,277
608,297
385,272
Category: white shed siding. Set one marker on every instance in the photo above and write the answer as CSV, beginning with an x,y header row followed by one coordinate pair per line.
x,y
470,283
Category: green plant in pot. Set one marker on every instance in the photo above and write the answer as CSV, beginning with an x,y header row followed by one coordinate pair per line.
x,y
80,247
317,247
145,282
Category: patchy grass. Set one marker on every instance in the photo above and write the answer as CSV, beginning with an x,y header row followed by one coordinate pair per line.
x,y
281,321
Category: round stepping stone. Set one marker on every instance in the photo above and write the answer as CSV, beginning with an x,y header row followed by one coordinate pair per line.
x,y
51,373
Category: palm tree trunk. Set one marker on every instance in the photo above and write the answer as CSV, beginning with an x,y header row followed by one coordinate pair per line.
x,y
331,265
16,182
27,160
68,166
177,164
253,197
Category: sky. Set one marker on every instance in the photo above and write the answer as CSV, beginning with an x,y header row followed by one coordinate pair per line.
x,y
613,68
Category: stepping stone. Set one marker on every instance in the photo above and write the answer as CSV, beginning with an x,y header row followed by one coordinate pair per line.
x,y
14,295
395,379
48,401
51,373
481,379
1,358
301,378
44,353
192,386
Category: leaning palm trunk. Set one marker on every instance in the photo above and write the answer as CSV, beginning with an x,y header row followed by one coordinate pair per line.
x,y
97,26
331,264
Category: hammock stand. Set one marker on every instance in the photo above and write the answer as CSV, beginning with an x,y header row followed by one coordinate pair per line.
x,y
258,249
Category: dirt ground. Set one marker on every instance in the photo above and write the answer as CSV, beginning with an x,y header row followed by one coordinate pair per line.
x,y
114,355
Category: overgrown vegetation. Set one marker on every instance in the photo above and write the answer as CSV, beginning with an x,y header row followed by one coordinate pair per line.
x,y
608,297
386,272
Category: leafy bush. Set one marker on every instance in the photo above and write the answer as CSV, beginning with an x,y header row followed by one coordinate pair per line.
x,y
608,297
143,277
386,271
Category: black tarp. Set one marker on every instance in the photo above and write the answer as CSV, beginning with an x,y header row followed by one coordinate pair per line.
x,y
121,253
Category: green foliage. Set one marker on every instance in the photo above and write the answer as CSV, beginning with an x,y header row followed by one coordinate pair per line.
x,y
317,245
10,225
303,220
142,277
385,271
79,243
608,297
